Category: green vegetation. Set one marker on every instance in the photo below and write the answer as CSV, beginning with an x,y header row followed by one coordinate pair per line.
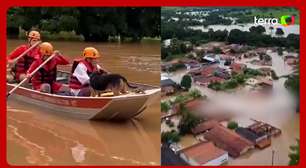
x,y
235,81
90,23
195,94
246,15
280,51
165,106
180,99
249,72
188,121
186,82
176,49
176,30
232,125
294,154
257,29
170,137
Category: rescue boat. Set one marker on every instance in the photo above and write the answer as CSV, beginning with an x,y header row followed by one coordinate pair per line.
x,y
107,107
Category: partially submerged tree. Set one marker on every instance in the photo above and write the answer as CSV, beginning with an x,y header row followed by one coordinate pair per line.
x,y
188,121
170,137
232,125
195,93
165,106
186,82
294,155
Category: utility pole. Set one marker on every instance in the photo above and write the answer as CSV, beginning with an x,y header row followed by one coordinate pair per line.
x,y
273,157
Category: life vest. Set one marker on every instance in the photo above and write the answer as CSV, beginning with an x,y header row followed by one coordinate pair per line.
x,y
44,76
74,83
24,63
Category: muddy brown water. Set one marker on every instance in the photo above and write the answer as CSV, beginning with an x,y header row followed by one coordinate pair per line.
x,y
276,109
35,136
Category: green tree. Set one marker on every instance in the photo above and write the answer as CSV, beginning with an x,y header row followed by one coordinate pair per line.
x,y
170,137
165,106
195,93
294,155
94,23
257,29
232,125
186,82
187,122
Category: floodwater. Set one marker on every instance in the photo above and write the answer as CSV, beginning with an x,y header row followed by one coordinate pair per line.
x,y
37,137
294,29
276,109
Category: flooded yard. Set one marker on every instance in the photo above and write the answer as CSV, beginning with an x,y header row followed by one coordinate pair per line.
x,y
277,109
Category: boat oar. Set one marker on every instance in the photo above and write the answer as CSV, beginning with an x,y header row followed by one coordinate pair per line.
x,y
26,51
24,80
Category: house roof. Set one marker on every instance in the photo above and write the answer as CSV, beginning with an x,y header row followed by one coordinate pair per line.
x,y
204,126
203,152
228,140
169,158
167,82
237,67
209,79
246,133
266,82
195,105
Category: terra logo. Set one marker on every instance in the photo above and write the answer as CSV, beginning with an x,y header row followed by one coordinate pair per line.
x,y
287,20
284,20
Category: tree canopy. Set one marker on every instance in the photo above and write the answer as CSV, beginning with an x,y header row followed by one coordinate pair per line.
x,y
95,24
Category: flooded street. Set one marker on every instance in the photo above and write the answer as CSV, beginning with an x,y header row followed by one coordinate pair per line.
x,y
35,136
276,109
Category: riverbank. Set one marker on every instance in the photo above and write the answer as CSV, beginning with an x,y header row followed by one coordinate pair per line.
x,y
73,36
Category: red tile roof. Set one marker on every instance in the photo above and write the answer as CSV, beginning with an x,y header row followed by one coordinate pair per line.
x,y
203,152
204,126
209,70
237,67
207,80
228,140
195,105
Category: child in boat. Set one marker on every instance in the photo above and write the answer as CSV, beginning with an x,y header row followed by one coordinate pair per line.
x,y
81,70
18,71
44,79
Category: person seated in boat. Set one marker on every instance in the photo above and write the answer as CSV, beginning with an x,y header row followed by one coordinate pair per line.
x,y
81,70
16,71
44,79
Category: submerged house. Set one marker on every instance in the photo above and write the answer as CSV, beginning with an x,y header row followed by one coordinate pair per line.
x,y
228,140
237,68
260,140
204,154
204,127
168,87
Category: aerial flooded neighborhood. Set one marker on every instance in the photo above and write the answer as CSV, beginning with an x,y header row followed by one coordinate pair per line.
x,y
230,86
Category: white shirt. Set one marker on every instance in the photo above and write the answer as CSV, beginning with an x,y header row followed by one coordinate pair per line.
x,y
80,73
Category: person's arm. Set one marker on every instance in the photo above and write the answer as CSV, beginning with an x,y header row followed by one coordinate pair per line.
x,y
61,60
33,66
14,54
80,73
